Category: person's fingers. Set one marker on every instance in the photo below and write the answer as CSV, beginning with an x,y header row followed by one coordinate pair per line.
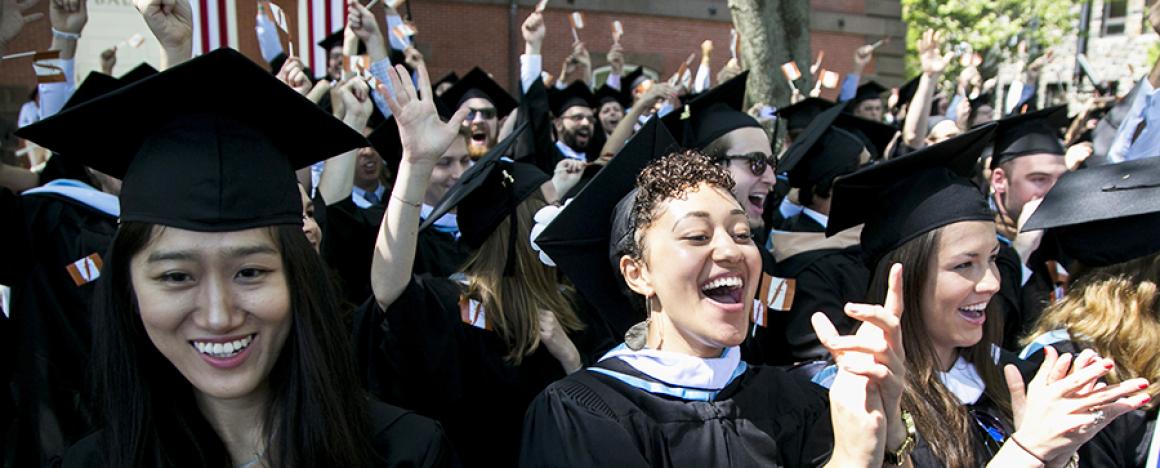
x,y
876,315
457,119
1112,393
1084,359
33,17
389,97
875,372
1015,386
425,84
894,301
851,343
1079,378
1060,369
25,5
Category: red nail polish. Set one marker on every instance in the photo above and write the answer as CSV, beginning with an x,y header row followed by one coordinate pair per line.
x,y
1109,365
1143,386
1146,400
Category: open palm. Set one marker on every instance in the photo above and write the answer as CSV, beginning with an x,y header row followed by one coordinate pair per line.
x,y
424,135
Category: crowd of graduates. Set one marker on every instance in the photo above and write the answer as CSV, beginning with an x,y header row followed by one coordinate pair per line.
x,y
375,268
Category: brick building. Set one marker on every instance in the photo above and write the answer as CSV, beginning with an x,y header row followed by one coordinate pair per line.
x,y
458,34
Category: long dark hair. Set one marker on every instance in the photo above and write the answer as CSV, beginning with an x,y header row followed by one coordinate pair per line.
x,y
938,416
316,414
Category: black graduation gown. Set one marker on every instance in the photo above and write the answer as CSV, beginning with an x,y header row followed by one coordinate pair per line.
x,y
923,457
400,438
764,417
1010,297
438,254
802,222
50,324
348,245
1124,442
419,354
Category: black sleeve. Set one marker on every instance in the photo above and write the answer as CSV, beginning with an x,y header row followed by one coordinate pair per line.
x,y
559,431
815,292
537,145
1015,322
14,239
411,440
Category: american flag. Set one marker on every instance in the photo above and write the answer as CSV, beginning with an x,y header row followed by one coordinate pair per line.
x,y
316,20
215,25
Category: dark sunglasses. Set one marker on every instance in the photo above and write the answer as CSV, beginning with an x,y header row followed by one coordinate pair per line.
x,y
757,161
486,113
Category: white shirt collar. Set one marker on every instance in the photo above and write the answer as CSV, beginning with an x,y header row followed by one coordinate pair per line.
x,y
358,196
820,218
963,381
681,369
570,153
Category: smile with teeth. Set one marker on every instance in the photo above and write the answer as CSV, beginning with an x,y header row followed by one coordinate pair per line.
x,y
223,350
974,313
726,290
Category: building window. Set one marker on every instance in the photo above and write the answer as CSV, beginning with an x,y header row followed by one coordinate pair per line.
x,y
1115,15
600,74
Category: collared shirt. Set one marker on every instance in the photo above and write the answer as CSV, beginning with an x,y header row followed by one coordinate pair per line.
x,y
358,196
570,153
1146,110
820,218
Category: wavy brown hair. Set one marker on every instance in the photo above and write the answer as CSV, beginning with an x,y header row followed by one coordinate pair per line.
x,y
513,302
672,176
1114,310
938,416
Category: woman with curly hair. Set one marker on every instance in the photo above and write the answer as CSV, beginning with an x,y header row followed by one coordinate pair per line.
x,y
1111,304
677,392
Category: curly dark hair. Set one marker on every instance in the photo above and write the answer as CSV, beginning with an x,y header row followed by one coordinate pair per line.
x,y
672,176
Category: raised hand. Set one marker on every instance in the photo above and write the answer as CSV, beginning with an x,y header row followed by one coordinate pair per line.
x,y
1065,405
108,60
567,175
13,19
616,59
356,102
294,75
366,27
413,58
534,32
424,136
875,351
171,21
934,62
863,55
68,16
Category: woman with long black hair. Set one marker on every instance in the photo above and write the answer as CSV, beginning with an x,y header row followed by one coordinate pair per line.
x,y
216,339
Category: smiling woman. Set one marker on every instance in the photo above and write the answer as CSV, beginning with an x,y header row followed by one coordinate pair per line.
x,y
216,340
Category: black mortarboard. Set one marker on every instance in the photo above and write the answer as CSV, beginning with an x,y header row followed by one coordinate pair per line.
x,y
1031,133
489,192
476,84
609,94
906,92
822,152
96,84
138,73
797,116
868,90
581,240
900,199
632,79
576,94
984,99
385,140
875,136
450,78
1103,215
710,115
335,39
201,161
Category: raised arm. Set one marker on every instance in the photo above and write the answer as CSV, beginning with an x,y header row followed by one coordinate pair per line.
x,y
934,62
425,138
337,178
627,125
172,24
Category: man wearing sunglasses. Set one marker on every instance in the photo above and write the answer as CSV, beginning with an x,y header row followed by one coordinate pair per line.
x,y
487,103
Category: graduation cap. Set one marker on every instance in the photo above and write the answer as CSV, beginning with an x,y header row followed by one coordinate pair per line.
x,y
190,156
633,79
138,73
581,240
903,198
906,92
866,91
576,94
1031,133
450,78
96,84
712,114
489,192
984,99
875,136
335,39
798,115
822,152
1103,215
606,94
476,84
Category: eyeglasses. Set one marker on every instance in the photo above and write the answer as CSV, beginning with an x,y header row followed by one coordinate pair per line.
x,y
580,117
758,161
484,113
